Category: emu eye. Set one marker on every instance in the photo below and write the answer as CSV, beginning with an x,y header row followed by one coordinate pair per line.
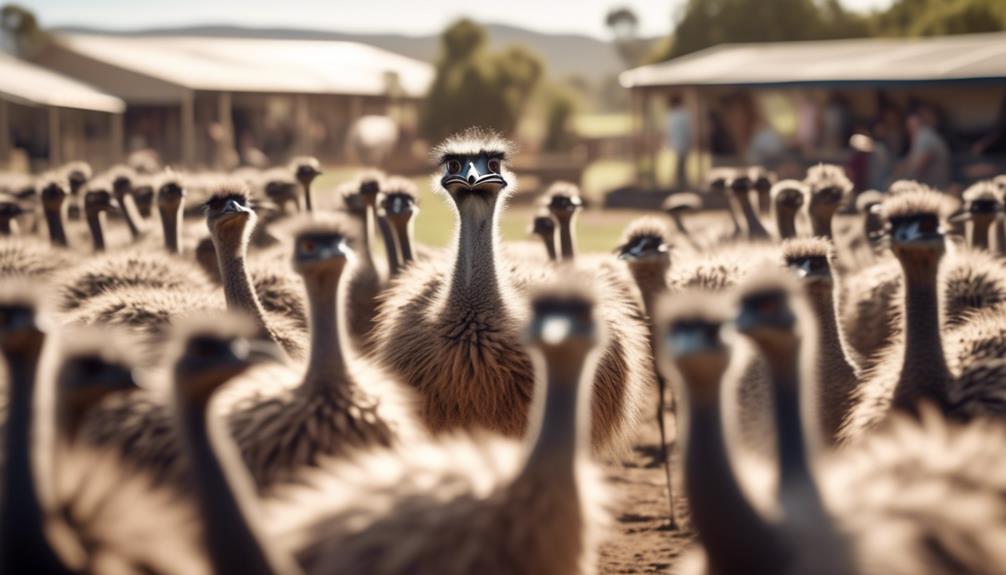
x,y
928,226
453,167
494,166
308,246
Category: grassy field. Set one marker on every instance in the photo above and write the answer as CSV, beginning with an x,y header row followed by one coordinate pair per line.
x,y
598,230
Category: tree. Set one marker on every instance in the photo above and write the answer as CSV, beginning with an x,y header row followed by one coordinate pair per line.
x,y
21,26
559,135
707,23
473,87
624,26
940,17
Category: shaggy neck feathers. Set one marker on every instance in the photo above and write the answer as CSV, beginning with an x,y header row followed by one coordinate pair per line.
x,y
23,544
754,225
924,372
54,219
170,223
390,247
129,212
978,231
836,377
785,221
567,244
475,281
224,491
820,222
96,223
403,233
231,245
563,427
737,539
326,366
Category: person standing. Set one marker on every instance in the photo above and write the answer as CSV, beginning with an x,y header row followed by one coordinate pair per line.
x,y
929,156
679,138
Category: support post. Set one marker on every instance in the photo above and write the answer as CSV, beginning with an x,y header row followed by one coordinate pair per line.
x,y
55,143
225,152
188,119
4,134
116,136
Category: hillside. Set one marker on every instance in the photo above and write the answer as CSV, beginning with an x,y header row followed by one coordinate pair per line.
x,y
565,54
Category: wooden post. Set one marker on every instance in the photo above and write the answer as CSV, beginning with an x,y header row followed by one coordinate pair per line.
x,y
302,116
225,116
188,120
4,134
115,140
55,142
637,133
699,139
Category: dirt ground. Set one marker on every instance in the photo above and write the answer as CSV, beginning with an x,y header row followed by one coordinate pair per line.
x,y
641,540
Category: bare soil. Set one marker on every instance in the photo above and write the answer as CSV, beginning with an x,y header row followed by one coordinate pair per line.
x,y
642,540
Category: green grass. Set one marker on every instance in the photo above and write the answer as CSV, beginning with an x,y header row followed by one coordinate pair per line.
x,y
598,230
602,125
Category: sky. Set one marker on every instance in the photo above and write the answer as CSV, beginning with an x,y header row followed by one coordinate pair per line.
x,y
414,17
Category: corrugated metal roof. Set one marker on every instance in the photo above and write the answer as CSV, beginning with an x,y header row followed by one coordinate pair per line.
x,y
257,65
876,61
27,83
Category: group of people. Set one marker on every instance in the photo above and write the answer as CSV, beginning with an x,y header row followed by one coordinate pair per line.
x,y
896,146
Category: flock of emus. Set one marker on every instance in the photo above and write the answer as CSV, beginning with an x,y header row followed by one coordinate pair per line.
x,y
838,379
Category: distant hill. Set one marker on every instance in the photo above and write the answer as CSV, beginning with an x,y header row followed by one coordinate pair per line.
x,y
565,54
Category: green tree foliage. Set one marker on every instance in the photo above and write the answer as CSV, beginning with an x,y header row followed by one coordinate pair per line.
x,y
20,24
940,17
474,87
559,113
707,23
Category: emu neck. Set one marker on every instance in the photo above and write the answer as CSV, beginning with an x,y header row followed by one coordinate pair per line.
x,y
737,539
232,250
651,279
549,241
999,236
172,230
366,258
764,201
308,203
821,223
924,372
23,544
54,222
836,376
566,243
755,228
326,366
403,233
679,225
979,232
390,246
475,279
130,213
785,221
95,222
562,430
224,492
796,487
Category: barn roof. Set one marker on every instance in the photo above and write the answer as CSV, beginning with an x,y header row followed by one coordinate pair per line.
x,y
26,83
873,62
255,65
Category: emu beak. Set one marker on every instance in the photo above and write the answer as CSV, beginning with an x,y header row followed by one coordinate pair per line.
x,y
912,232
686,342
959,216
233,207
259,351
